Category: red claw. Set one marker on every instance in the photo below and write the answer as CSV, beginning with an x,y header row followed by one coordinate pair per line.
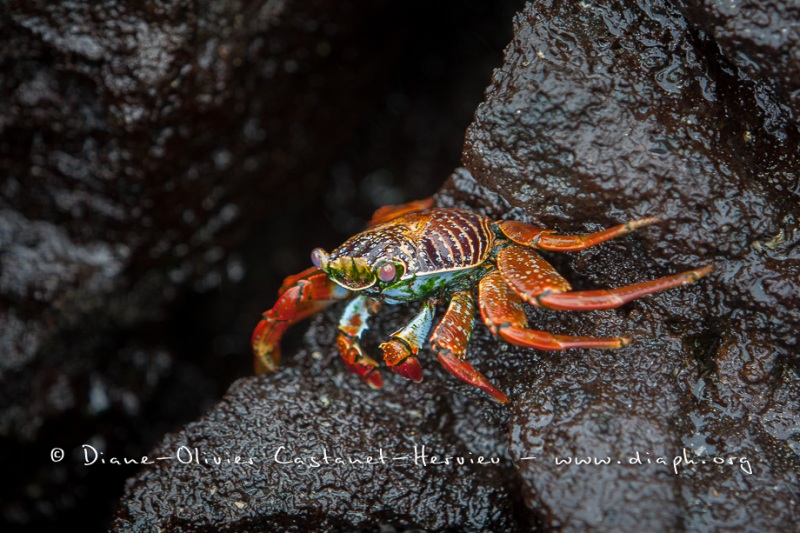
x,y
357,361
368,373
409,369
465,371
300,296
374,379
399,357
266,349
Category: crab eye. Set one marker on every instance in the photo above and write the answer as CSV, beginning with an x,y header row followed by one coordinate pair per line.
x,y
387,272
319,257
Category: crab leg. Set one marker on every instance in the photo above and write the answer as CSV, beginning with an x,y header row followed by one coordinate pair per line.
x,y
353,324
450,340
535,237
538,283
390,212
300,296
292,280
501,311
400,353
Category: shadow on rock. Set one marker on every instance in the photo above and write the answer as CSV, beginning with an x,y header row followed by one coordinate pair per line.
x,y
602,114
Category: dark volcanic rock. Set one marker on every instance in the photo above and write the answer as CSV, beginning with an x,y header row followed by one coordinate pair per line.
x,y
137,139
133,144
604,113
761,39
578,134
313,404
160,162
301,432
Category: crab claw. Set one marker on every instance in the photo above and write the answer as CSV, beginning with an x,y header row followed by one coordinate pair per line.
x,y
465,371
399,358
357,361
368,373
300,296
373,379
266,349
410,369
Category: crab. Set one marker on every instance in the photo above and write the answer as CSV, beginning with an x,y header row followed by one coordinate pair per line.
x,y
416,252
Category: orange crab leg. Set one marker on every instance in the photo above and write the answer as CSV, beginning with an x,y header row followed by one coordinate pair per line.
x,y
450,340
501,311
353,324
610,298
535,237
538,283
303,297
389,212
292,280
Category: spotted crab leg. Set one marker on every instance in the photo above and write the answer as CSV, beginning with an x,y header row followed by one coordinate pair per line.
x,y
290,281
536,237
300,296
538,283
352,325
502,312
450,340
389,212
400,353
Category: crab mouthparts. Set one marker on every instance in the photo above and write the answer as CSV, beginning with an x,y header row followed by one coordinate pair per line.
x,y
353,273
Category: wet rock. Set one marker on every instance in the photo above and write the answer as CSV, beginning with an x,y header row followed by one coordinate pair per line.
x,y
602,114
137,142
115,196
322,455
760,39
598,114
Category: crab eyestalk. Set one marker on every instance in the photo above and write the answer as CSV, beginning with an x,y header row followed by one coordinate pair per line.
x,y
320,259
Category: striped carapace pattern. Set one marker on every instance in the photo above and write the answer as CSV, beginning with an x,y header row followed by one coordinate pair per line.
x,y
453,239
426,241
386,241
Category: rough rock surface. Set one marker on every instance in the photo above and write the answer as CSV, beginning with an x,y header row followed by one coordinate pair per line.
x,y
603,113
90,236
322,460
140,144
124,174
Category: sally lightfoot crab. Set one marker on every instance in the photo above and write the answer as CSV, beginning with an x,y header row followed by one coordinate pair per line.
x,y
416,252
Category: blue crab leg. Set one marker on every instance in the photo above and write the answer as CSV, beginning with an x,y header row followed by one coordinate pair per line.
x,y
400,353
450,340
352,325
